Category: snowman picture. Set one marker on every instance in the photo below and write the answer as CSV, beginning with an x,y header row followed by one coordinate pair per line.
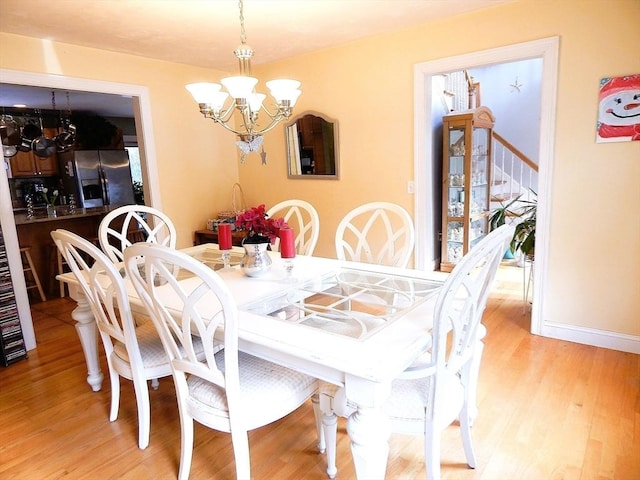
x,y
619,109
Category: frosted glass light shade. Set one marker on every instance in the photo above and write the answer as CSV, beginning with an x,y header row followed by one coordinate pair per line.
x,y
284,90
218,100
255,101
294,98
239,86
203,92
283,85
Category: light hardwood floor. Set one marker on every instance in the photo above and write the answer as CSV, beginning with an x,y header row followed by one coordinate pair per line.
x,y
548,410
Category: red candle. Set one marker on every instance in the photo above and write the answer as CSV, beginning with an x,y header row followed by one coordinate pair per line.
x,y
287,243
224,236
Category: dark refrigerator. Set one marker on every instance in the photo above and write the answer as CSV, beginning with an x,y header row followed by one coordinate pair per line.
x,y
98,177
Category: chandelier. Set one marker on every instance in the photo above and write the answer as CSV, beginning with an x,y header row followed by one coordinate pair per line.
x,y
240,90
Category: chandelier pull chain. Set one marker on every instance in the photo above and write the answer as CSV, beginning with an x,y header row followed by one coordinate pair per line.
x,y
243,33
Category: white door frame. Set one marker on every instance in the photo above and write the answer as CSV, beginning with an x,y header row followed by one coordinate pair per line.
x,y
547,50
144,131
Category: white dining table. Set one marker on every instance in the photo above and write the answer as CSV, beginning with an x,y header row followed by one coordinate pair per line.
x,y
351,324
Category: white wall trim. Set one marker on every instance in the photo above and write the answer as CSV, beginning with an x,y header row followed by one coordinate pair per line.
x,y
12,248
593,337
547,49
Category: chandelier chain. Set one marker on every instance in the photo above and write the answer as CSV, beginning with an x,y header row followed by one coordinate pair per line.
x,y
243,33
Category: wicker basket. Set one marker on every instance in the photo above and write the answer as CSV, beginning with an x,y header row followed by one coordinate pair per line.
x,y
237,202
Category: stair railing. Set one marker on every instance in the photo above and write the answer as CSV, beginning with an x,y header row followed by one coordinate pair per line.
x,y
514,174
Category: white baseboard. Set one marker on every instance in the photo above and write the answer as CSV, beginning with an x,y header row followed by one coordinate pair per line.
x,y
591,336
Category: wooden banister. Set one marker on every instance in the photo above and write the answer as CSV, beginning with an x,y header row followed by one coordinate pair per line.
x,y
530,163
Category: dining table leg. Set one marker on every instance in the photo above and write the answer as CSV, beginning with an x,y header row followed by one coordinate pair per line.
x,y
368,428
88,334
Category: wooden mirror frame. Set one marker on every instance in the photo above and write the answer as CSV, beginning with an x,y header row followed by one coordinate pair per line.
x,y
320,141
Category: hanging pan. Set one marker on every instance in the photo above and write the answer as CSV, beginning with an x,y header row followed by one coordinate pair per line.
x,y
43,146
67,138
9,130
9,151
29,133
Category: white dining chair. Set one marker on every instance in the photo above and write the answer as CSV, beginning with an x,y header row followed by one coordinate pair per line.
x,y
231,391
133,351
377,232
129,224
431,394
303,218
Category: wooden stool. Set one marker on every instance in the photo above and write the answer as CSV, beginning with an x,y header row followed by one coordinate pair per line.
x,y
31,276
57,266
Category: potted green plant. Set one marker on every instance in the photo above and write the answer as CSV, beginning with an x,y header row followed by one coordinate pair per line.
x,y
524,237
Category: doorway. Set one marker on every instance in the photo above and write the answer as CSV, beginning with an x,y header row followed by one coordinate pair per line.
x,y
146,144
425,171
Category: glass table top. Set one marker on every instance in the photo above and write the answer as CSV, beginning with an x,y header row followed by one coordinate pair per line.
x,y
349,303
212,257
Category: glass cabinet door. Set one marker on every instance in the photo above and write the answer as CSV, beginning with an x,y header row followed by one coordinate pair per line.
x,y
455,191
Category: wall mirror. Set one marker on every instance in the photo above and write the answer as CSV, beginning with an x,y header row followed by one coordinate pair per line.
x,y
312,146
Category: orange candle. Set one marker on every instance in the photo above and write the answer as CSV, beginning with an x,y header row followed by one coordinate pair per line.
x,y
287,243
224,236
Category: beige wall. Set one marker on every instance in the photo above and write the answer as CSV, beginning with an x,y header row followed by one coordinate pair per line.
x,y
594,257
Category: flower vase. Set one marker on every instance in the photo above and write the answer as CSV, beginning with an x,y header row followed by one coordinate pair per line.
x,y
256,260
51,211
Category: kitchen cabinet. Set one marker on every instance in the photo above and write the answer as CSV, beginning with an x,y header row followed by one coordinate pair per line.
x,y
28,164
466,171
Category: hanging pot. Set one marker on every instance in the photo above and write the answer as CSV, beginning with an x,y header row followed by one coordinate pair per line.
x,y
9,151
29,133
67,138
64,141
9,130
43,146
25,144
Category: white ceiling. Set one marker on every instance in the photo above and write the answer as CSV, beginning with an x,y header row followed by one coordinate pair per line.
x,y
205,32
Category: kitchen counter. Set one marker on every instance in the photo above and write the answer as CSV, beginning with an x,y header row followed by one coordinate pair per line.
x,y
36,233
63,213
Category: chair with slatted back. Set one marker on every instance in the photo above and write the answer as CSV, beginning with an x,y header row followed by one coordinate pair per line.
x,y
303,219
133,351
379,232
431,394
230,391
130,224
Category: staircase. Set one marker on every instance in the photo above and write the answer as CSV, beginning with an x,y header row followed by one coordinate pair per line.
x,y
514,174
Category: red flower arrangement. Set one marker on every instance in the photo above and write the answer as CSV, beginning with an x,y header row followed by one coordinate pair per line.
x,y
258,225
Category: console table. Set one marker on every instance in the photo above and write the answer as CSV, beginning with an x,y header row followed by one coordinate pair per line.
x,y
210,236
